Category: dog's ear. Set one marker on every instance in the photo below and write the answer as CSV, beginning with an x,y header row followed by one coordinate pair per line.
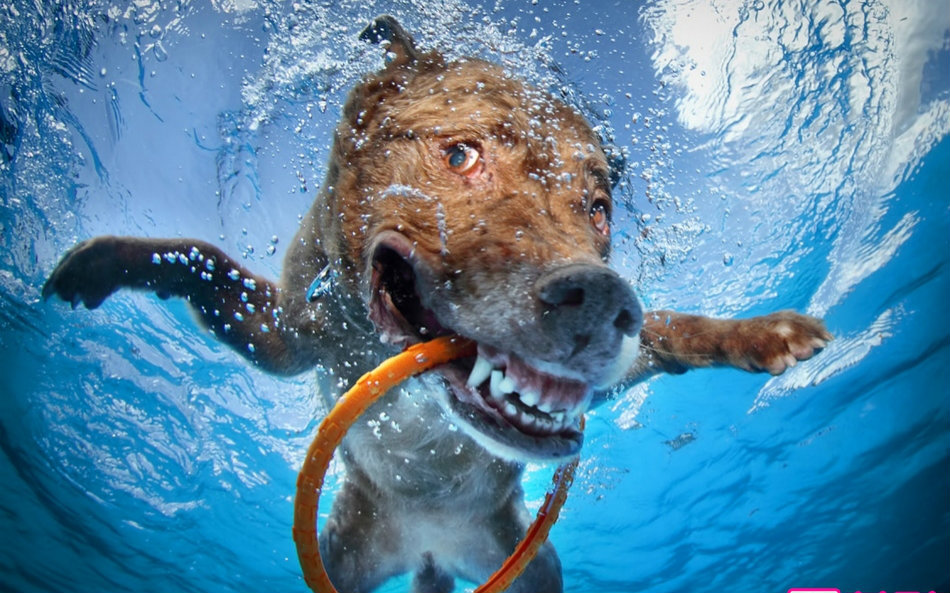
x,y
387,31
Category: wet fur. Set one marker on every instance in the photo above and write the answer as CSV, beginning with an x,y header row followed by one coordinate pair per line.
x,y
421,495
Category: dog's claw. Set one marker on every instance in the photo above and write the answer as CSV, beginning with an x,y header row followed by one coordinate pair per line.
x,y
86,275
786,338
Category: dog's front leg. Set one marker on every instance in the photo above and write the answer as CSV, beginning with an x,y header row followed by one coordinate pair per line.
x,y
241,309
674,342
360,546
495,539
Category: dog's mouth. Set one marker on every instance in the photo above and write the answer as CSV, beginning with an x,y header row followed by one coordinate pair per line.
x,y
517,408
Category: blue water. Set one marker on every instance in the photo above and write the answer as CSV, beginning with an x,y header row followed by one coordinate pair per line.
x,y
779,156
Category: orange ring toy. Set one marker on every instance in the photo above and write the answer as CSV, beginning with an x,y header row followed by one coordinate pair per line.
x,y
371,386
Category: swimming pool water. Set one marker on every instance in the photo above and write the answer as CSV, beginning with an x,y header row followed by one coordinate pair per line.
x,y
780,155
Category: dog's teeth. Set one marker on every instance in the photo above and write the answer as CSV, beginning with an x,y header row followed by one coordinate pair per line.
x,y
507,385
495,385
530,397
544,406
544,424
558,417
510,410
480,372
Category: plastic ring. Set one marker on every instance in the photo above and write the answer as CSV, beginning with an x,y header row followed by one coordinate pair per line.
x,y
414,360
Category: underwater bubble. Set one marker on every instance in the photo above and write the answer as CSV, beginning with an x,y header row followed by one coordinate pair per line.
x,y
161,54
321,285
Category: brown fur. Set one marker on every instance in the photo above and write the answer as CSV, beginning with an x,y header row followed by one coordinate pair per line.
x,y
512,255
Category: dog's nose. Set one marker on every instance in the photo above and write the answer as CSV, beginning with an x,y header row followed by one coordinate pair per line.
x,y
585,304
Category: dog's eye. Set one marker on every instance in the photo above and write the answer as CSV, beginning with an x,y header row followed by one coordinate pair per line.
x,y
600,217
463,159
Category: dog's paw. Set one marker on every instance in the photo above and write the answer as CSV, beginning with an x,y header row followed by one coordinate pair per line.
x,y
776,342
87,274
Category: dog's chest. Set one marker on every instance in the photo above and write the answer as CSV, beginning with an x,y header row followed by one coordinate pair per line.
x,y
409,449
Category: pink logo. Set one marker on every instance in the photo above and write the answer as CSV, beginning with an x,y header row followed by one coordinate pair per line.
x,y
801,590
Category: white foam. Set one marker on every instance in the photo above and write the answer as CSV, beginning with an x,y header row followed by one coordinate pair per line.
x,y
840,354
814,114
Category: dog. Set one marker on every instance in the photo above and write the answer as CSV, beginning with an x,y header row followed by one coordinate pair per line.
x,y
457,200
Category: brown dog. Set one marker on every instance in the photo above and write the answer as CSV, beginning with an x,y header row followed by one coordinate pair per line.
x,y
458,200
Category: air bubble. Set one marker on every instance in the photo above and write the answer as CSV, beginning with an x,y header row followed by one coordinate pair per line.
x,y
321,285
161,54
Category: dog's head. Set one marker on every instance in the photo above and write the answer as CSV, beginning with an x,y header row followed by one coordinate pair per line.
x,y
467,202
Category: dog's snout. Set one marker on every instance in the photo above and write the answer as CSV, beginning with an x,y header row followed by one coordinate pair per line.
x,y
562,294
628,322
585,304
